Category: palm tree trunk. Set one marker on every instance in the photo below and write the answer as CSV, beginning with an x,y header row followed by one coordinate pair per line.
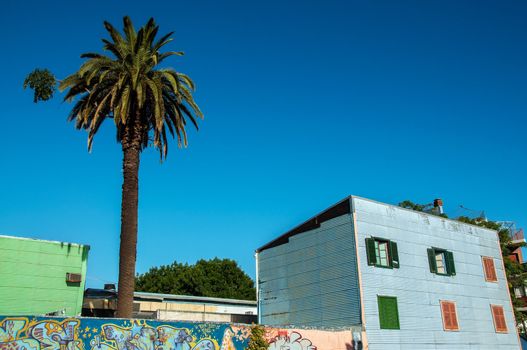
x,y
127,251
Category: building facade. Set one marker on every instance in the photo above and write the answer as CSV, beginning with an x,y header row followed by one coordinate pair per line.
x,y
41,277
399,279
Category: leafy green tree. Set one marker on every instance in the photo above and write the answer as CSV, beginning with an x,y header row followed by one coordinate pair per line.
x,y
257,339
220,278
421,207
411,205
516,273
42,82
145,102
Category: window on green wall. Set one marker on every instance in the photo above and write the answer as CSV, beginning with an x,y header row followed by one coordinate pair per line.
x,y
441,261
382,252
388,312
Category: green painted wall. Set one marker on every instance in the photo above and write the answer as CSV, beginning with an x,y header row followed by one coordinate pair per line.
x,y
33,276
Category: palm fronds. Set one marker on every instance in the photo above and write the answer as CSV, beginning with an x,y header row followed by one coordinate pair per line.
x,y
127,85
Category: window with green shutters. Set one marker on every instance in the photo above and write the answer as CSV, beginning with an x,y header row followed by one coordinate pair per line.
x,y
382,252
388,312
441,261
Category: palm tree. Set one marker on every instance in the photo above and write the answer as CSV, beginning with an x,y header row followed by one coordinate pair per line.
x,y
144,101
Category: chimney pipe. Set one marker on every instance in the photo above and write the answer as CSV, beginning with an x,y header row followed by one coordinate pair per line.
x,y
438,205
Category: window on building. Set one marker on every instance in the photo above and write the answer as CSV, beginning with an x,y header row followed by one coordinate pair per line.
x,y
499,318
489,269
382,252
388,312
440,258
441,261
449,314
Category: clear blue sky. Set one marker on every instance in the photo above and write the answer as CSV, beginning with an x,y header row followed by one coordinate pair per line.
x,y
305,102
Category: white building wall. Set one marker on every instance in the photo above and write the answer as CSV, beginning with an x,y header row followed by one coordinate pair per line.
x,y
419,291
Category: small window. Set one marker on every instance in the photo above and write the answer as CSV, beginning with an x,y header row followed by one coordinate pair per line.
x,y
489,269
441,262
388,312
382,252
440,257
499,318
449,314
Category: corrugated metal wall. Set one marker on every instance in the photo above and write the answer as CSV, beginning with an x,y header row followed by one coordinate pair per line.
x,y
418,291
33,276
312,280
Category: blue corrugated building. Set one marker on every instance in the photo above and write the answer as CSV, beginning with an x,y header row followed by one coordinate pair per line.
x,y
397,278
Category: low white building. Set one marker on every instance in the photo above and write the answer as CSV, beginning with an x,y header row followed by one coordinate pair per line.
x,y
170,307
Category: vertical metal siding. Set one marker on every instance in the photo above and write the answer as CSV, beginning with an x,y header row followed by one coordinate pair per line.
x,y
418,291
312,280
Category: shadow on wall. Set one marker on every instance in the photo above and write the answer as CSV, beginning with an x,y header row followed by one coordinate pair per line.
x,y
123,334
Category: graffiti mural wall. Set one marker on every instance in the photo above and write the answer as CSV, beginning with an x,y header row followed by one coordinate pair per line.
x,y
37,333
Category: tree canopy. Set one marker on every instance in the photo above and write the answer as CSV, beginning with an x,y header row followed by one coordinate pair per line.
x,y
220,278
129,87
42,82
427,208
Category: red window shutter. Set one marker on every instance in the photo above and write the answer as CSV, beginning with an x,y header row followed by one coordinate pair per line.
x,y
490,269
448,310
454,316
499,318
446,314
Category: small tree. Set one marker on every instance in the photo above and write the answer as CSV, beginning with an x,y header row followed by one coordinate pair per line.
x,y
42,82
257,339
411,205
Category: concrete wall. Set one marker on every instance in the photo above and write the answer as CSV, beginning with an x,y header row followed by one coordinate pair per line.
x,y
312,279
419,291
33,276
193,316
198,312
125,334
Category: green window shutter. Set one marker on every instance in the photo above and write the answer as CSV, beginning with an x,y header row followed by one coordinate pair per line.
x,y
388,313
394,255
450,266
432,260
370,251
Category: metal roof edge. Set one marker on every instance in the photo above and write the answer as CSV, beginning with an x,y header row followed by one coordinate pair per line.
x,y
425,213
163,297
350,198
45,241
287,233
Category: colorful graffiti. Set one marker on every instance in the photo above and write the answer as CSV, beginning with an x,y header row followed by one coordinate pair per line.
x,y
37,333
15,333
291,341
